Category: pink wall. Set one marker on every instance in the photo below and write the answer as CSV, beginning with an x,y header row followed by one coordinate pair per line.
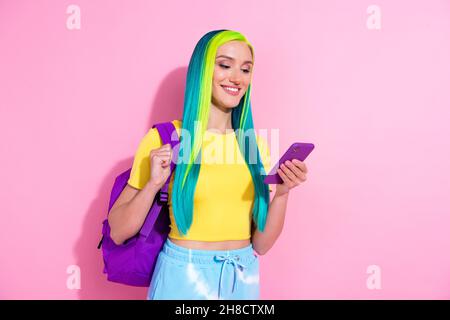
x,y
375,102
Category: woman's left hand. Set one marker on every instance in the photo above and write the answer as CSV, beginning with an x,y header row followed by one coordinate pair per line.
x,y
293,173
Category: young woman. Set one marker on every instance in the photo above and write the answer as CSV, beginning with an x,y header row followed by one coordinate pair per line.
x,y
219,209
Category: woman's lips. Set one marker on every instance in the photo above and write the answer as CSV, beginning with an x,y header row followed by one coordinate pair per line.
x,y
231,90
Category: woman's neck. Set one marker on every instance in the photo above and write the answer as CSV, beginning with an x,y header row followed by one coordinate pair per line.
x,y
219,118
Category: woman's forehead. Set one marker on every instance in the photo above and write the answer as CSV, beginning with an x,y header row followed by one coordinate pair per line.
x,y
235,50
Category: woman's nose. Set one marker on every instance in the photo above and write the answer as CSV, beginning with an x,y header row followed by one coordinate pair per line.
x,y
235,77
235,80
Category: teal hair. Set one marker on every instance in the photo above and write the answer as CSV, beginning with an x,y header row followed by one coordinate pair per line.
x,y
197,102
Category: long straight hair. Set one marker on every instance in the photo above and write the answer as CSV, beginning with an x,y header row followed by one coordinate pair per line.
x,y
197,102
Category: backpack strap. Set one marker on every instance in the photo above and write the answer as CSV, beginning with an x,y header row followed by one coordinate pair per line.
x,y
166,131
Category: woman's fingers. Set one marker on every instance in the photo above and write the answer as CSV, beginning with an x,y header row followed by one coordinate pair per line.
x,y
292,172
289,174
165,147
296,170
163,153
287,181
162,158
301,165
283,176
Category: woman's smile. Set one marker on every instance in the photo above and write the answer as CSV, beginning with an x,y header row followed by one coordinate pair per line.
x,y
234,91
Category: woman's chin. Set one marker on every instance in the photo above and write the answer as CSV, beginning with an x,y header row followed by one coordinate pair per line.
x,y
230,103
231,106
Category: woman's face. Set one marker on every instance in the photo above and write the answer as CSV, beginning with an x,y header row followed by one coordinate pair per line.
x,y
232,73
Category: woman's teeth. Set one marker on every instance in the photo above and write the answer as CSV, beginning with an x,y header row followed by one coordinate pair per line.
x,y
231,90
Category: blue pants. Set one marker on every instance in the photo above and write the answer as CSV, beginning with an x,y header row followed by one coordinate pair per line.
x,y
182,273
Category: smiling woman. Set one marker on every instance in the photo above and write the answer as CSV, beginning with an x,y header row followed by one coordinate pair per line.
x,y
214,208
208,253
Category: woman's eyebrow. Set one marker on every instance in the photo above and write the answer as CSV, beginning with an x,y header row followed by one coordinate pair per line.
x,y
231,58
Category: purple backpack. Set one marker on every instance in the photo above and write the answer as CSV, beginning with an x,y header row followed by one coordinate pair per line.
x,y
133,262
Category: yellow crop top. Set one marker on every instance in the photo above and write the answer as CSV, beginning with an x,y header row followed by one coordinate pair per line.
x,y
224,192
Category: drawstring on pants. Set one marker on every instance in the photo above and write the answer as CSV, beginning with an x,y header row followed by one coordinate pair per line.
x,y
236,265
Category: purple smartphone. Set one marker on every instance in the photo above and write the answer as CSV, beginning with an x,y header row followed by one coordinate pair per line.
x,y
297,150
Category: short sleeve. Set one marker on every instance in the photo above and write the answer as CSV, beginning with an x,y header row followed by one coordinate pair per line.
x,y
140,172
264,152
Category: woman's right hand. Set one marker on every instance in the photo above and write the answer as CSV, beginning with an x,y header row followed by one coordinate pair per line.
x,y
160,160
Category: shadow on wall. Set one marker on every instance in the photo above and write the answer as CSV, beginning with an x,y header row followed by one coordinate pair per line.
x,y
167,106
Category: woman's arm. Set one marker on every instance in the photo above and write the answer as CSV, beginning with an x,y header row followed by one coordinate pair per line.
x,y
293,174
129,211
263,241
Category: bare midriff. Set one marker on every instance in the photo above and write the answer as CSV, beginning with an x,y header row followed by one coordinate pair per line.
x,y
212,245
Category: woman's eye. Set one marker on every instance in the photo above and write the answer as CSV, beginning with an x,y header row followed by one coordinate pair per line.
x,y
226,67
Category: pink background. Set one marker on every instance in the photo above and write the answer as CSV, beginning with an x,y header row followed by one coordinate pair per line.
x,y
75,103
